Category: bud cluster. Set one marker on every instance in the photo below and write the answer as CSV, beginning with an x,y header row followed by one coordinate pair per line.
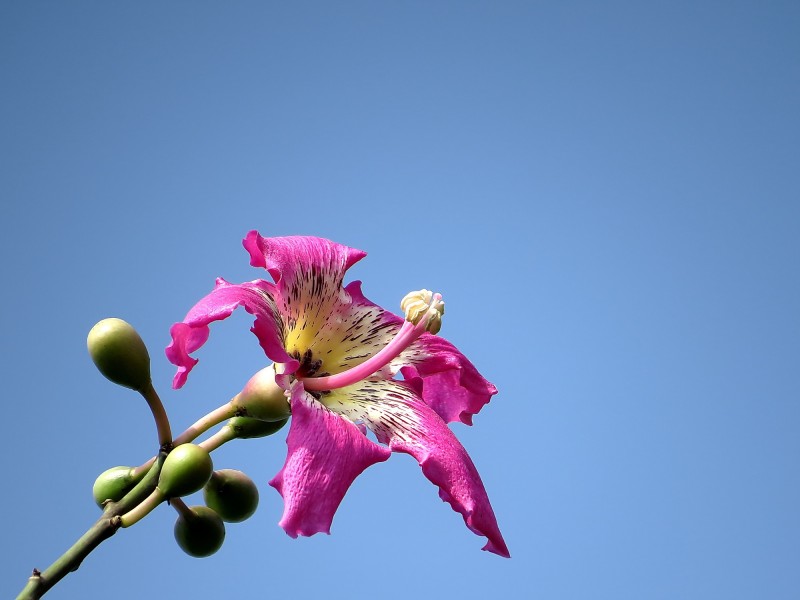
x,y
230,496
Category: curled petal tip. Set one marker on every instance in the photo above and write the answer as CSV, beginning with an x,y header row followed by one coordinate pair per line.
x,y
500,549
178,352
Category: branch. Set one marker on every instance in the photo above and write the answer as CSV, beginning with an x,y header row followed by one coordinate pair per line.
x,y
106,526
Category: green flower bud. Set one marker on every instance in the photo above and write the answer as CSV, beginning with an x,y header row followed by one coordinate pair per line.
x,y
262,398
186,469
114,483
231,494
247,427
119,353
200,533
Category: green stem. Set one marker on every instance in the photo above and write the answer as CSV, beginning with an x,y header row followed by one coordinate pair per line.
x,y
159,414
106,526
181,508
215,417
224,435
142,468
141,510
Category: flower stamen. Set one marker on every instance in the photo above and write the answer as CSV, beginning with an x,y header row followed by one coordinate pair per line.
x,y
424,305
423,310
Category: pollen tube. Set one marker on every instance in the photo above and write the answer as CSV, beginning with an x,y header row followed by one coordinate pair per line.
x,y
419,323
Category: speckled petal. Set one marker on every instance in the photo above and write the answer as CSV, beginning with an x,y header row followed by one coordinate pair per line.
x,y
308,273
453,386
363,329
257,298
291,259
328,328
326,453
399,418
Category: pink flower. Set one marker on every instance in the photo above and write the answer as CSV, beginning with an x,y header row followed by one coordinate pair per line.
x,y
338,355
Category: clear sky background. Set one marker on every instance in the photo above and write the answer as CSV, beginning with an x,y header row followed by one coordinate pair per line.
x,y
607,194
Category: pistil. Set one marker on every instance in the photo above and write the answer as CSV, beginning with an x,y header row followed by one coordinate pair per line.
x,y
423,312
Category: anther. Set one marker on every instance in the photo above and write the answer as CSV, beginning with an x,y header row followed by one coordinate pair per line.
x,y
424,305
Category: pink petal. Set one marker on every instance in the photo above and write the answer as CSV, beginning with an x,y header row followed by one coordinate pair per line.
x,y
257,298
453,387
317,312
297,262
326,453
399,418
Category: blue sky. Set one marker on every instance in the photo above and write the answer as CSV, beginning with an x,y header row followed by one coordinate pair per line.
x,y
607,195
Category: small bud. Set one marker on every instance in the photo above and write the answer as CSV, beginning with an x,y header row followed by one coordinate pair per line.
x,y
425,306
247,427
200,533
186,469
231,494
113,484
262,398
119,353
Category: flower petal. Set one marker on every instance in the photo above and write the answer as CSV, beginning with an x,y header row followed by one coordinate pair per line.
x,y
364,328
453,387
291,258
328,327
308,274
399,418
257,298
326,453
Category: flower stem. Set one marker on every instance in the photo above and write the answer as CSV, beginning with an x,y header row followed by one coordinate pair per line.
x,y
159,414
143,468
139,501
106,526
141,510
39,583
181,508
215,417
224,435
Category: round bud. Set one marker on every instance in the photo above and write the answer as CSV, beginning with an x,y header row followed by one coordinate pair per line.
x,y
199,533
247,427
186,469
119,353
113,484
262,398
231,494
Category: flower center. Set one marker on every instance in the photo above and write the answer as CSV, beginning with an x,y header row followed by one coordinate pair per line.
x,y
423,311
